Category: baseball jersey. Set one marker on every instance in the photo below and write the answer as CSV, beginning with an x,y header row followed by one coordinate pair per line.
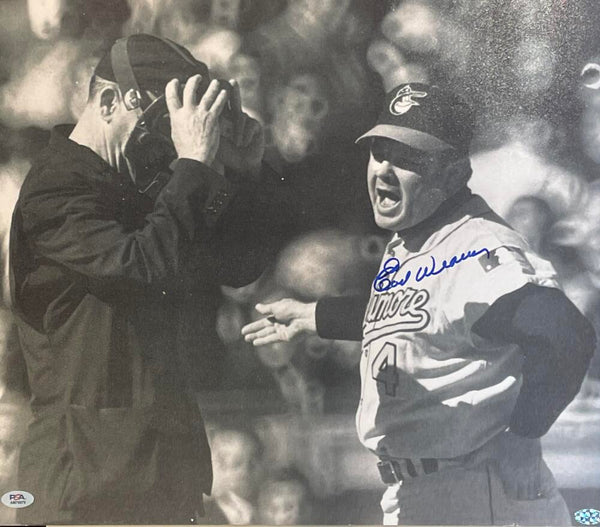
x,y
432,388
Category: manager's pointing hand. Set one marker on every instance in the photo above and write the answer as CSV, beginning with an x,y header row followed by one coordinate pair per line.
x,y
284,320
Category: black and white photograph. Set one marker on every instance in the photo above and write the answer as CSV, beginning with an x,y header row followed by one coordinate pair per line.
x,y
300,262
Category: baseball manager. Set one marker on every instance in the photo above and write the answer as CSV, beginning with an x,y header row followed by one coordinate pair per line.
x,y
470,350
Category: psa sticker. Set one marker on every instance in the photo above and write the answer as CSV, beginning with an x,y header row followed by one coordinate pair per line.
x,y
587,516
17,499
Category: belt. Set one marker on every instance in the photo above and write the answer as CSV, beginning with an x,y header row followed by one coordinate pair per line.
x,y
396,470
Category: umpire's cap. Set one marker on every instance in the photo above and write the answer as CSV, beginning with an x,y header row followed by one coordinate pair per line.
x,y
144,62
426,118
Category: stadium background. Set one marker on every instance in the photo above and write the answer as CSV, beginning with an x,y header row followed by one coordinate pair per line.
x,y
314,73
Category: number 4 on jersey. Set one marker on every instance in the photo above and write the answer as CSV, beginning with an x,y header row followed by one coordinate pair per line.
x,y
383,368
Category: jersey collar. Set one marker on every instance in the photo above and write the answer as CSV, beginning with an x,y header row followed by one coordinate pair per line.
x,y
452,212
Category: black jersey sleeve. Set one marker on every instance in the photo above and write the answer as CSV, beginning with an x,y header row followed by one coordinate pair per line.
x,y
557,342
341,317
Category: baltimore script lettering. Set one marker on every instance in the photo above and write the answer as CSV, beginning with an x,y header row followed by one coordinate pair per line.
x,y
384,281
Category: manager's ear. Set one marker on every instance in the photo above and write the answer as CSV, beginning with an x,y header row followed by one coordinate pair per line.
x,y
109,100
457,171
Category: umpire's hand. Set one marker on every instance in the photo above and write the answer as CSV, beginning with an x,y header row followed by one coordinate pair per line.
x,y
195,126
242,149
285,320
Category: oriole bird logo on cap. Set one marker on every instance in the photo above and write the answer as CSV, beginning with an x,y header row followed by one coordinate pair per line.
x,y
404,100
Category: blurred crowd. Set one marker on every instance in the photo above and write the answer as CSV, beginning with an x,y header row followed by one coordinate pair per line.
x,y
313,72
245,491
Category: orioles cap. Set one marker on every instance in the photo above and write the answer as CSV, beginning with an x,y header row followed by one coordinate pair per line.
x,y
426,118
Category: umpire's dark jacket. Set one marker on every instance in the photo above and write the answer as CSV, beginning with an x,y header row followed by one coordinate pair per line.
x,y
116,294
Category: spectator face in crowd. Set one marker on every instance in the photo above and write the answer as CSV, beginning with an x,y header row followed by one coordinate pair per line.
x,y
299,117
532,218
413,26
323,17
283,502
237,463
277,355
246,70
580,230
46,17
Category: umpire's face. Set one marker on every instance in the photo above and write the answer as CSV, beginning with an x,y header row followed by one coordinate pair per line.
x,y
405,185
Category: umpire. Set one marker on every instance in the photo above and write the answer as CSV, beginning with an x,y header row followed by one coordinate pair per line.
x,y
124,229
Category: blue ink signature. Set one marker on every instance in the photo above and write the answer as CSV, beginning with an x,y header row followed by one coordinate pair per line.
x,y
383,282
